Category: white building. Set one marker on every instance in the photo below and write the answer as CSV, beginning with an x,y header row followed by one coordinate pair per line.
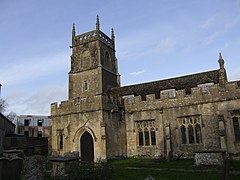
x,y
33,125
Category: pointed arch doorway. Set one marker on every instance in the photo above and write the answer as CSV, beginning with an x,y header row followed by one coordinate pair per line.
x,y
87,149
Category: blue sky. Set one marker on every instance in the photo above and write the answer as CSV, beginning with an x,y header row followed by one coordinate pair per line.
x,y
155,40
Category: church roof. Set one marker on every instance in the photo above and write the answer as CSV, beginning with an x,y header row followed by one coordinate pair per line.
x,y
178,83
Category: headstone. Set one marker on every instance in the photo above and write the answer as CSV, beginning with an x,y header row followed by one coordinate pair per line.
x,y
15,168
34,168
10,169
3,167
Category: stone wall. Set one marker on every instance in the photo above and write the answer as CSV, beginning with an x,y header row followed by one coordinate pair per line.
x,y
209,158
208,106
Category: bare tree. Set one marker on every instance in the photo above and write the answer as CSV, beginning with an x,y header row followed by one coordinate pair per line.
x,y
3,105
11,116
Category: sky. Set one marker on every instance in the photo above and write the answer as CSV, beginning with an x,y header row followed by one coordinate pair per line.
x,y
155,40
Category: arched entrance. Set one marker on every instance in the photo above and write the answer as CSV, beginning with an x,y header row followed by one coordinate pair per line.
x,y
87,150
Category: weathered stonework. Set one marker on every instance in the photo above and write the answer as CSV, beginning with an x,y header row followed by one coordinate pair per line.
x,y
162,118
211,158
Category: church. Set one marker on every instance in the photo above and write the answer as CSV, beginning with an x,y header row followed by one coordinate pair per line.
x,y
178,116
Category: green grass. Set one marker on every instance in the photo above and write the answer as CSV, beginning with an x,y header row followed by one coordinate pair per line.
x,y
141,168
235,165
152,163
122,174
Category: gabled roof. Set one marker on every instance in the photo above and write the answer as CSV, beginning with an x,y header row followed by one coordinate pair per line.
x,y
179,83
4,117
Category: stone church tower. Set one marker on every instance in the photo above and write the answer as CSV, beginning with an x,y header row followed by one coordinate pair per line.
x,y
165,118
88,120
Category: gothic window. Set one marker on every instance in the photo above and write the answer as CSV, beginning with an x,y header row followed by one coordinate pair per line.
x,y
146,137
190,129
140,137
153,136
190,134
183,134
236,128
198,133
146,133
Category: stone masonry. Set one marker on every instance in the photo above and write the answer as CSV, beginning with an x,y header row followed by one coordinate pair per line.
x,y
102,120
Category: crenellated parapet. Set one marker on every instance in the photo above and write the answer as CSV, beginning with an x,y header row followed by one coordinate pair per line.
x,y
199,95
77,105
92,36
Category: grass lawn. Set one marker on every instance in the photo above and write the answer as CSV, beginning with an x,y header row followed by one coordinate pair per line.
x,y
141,168
122,174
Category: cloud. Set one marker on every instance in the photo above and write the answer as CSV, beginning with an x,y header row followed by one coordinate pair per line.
x,y
209,39
34,68
166,45
233,22
137,73
37,103
234,75
207,23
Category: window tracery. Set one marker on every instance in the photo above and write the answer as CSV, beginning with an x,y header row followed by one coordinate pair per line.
x,y
190,129
146,133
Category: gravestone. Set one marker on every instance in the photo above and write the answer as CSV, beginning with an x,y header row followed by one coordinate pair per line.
x,y
34,168
10,169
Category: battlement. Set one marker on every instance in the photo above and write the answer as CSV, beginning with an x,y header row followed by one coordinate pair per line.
x,y
84,38
92,36
180,98
85,105
76,106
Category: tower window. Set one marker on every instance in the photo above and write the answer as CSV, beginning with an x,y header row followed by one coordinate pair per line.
x,y
85,85
107,56
60,140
